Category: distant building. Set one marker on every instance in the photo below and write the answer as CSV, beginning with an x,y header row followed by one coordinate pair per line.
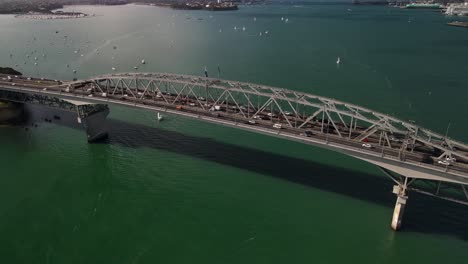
x,y
457,9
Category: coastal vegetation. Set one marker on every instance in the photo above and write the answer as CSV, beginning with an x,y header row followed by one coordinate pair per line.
x,y
11,71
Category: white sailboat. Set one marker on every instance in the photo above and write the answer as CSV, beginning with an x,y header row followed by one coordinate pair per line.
x,y
159,117
338,61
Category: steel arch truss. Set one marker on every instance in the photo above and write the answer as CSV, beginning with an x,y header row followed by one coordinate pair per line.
x,y
293,109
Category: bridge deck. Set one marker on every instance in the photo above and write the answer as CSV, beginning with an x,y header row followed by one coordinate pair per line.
x,y
315,131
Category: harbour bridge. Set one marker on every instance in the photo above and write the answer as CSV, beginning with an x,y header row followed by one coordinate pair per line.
x,y
411,156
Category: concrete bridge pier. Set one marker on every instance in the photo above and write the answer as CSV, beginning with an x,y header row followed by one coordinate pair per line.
x,y
93,119
398,212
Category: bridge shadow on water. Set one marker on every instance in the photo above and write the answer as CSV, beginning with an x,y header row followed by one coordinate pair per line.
x,y
424,214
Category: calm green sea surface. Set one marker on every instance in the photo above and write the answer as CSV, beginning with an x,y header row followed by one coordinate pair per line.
x,y
182,191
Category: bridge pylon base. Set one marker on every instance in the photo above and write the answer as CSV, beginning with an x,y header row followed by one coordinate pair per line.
x,y
94,123
399,210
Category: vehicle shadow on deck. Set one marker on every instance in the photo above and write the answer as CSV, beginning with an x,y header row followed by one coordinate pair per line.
x,y
423,214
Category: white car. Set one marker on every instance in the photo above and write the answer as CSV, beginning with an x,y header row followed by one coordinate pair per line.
x,y
443,162
277,125
256,117
287,113
271,115
201,98
252,122
367,145
192,104
450,159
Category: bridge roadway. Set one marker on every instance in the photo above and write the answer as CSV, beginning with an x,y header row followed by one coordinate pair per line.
x,y
410,158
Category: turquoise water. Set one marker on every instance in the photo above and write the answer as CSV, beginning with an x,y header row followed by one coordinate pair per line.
x,y
182,191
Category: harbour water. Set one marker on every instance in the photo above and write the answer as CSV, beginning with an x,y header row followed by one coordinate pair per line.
x,y
181,191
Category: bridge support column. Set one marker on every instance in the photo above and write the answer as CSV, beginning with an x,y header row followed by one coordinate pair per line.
x,y
93,119
397,219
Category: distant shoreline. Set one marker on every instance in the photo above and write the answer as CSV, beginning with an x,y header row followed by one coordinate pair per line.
x,y
203,5
44,9
52,15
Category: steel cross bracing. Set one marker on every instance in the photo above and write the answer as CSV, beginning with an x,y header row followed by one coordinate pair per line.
x,y
292,108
